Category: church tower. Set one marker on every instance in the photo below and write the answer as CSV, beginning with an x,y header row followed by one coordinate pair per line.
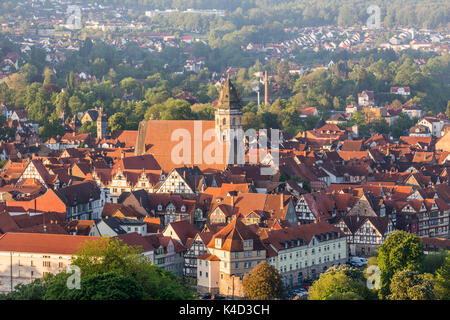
x,y
228,115
228,121
102,125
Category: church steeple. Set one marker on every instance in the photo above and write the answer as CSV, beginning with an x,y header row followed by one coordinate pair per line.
x,y
102,125
229,97
228,113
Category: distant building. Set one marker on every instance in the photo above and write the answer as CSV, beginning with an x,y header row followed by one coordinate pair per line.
x,y
433,124
419,131
413,111
403,91
366,98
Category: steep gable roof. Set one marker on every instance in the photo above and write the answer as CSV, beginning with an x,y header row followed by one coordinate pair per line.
x,y
233,236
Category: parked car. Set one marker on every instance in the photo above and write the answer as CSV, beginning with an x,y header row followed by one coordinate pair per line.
x,y
358,261
300,292
205,296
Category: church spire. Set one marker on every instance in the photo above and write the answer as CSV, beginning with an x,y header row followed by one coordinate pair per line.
x,y
229,97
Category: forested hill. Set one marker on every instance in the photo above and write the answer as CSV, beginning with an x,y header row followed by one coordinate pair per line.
x,y
418,13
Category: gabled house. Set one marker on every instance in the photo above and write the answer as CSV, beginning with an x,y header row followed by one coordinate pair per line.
x,y
186,180
364,233
232,252
114,226
83,200
366,98
195,247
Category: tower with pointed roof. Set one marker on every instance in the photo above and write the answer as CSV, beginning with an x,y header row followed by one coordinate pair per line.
x,y
228,114
102,125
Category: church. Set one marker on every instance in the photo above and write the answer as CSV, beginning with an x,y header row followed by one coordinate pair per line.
x,y
161,137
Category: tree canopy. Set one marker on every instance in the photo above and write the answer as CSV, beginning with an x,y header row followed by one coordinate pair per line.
x,y
263,283
400,251
340,283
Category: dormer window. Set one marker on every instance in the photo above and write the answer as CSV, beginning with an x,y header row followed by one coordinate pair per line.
x,y
248,244
160,207
183,208
218,243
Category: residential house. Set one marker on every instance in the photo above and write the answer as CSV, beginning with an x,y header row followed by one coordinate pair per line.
x,y
232,252
304,252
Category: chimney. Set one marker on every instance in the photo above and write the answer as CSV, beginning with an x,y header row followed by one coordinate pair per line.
x,y
266,89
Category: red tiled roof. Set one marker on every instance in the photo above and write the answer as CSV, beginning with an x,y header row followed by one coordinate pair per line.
x,y
43,243
158,142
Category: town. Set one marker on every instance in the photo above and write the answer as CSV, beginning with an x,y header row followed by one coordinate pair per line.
x,y
358,145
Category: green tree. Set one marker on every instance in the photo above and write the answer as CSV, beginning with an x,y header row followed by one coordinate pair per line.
x,y
103,286
49,76
62,104
117,121
442,280
433,261
339,282
89,127
263,283
400,251
111,255
31,291
99,68
410,285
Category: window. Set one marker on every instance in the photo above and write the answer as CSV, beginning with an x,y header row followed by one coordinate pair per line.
x,y
46,264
